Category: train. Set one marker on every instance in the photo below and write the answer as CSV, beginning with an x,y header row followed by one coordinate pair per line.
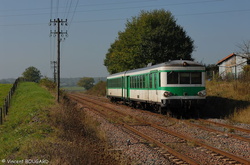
x,y
172,84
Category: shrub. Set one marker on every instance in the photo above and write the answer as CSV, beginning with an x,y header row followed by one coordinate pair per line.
x,y
46,82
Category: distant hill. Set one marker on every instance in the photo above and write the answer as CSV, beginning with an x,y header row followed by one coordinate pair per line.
x,y
65,82
7,81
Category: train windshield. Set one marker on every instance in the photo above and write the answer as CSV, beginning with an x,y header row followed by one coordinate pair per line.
x,y
184,78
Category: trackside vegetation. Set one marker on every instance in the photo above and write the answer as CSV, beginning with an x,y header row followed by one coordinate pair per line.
x,y
229,99
37,128
25,122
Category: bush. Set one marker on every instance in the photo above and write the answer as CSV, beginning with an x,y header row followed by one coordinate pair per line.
x,y
46,82
99,89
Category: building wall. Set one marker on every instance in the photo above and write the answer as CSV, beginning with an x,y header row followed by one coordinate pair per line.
x,y
232,66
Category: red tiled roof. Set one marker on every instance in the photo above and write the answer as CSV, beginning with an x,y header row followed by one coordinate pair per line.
x,y
229,56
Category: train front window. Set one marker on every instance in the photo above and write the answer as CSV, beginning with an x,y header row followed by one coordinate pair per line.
x,y
184,78
172,78
196,78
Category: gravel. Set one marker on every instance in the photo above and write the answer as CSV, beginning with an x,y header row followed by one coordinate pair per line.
x,y
139,151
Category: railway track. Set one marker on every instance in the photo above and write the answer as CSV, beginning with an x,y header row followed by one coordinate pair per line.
x,y
219,154
178,158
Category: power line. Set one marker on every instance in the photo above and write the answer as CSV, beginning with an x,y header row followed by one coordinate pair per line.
x,y
73,14
68,11
214,12
109,9
57,7
35,9
118,19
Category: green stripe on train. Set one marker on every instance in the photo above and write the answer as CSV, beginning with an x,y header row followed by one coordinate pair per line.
x,y
177,91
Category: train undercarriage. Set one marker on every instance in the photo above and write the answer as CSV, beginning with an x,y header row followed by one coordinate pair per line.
x,y
173,107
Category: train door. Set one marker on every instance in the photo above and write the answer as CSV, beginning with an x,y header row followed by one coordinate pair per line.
x,y
127,87
153,81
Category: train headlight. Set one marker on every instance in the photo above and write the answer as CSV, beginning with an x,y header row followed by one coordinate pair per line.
x,y
167,94
202,93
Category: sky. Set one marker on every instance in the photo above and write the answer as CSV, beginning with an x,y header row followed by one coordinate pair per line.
x,y
216,26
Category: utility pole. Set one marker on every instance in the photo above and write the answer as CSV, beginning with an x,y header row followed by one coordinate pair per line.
x,y
59,34
54,68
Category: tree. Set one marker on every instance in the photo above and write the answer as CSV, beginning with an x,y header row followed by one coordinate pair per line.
x,y
245,50
86,82
32,74
244,47
152,37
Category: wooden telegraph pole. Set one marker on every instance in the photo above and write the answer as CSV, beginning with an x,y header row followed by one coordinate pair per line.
x,y
57,22
53,63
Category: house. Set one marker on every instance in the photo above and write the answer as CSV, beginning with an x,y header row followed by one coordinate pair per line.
x,y
232,65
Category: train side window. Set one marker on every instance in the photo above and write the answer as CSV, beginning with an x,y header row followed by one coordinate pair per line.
x,y
155,81
172,78
150,81
146,81
196,78
134,82
159,79
137,82
131,82
141,81
184,78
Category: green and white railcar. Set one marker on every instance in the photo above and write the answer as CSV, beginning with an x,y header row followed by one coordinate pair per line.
x,y
175,83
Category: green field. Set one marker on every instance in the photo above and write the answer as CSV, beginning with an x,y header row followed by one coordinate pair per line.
x,y
25,125
4,90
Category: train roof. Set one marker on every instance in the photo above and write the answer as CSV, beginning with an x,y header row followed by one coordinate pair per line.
x,y
174,63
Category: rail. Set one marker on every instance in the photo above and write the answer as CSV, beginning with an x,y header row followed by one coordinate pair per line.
x,y
158,143
229,155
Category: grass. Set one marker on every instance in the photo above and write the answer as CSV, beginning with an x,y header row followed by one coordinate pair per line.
x,y
229,100
37,128
25,122
4,90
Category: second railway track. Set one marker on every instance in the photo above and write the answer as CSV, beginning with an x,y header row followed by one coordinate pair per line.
x,y
213,153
